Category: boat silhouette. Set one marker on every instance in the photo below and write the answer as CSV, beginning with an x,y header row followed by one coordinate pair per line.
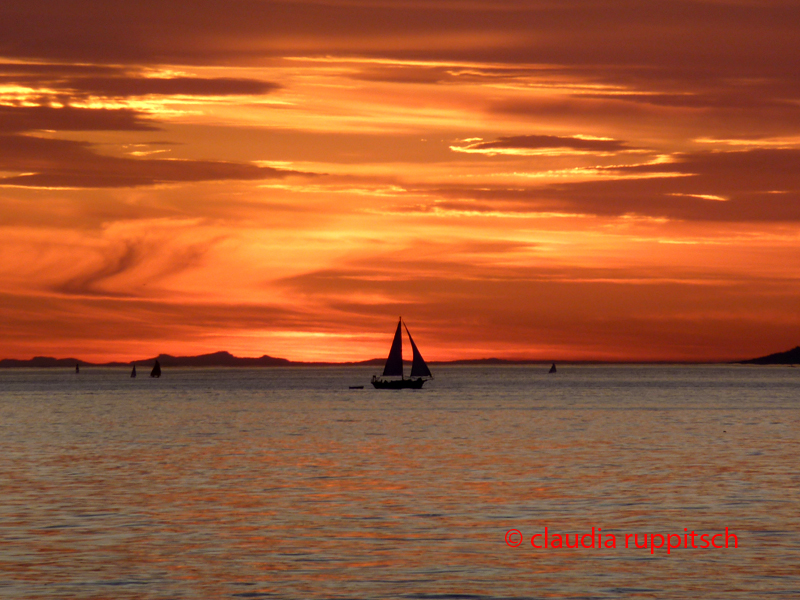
x,y
553,368
394,365
156,372
133,372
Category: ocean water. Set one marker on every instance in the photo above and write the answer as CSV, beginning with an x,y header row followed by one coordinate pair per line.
x,y
285,484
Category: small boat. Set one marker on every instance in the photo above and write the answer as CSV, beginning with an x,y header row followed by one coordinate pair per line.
x,y
77,368
394,365
356,387
156,372
133,373
553,368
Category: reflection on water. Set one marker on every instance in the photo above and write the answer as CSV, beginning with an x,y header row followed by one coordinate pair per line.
x,y
284,483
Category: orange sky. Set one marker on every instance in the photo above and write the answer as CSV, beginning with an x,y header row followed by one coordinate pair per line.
x,y
518,178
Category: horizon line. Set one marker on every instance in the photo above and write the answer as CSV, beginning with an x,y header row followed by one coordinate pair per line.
x,y
277,361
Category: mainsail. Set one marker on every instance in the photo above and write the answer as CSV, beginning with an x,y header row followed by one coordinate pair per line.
x,y
394,364
418,366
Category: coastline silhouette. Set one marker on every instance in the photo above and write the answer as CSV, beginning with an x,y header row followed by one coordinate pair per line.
x,y
226,359
790,357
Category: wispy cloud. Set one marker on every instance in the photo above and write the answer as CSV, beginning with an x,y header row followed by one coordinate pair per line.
x,y
52,163
19,119
540,144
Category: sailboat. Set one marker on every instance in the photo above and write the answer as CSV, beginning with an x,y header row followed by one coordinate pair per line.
x,y
156,372
394,365
133,372
553,368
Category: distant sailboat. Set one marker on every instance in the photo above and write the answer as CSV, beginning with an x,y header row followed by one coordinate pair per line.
x,y
133,373
156,372
553,368
394,365
77,368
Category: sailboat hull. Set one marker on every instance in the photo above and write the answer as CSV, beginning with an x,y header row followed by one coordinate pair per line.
x,y
398,384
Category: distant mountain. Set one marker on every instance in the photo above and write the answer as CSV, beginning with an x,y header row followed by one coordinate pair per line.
x,y
226,359
489,361
790,357
41,362
215,359
218,359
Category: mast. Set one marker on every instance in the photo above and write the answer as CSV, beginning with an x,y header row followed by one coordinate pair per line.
x,y
394,362
419,367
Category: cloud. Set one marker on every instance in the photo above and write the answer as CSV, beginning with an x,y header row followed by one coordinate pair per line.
x,y
128,259
19,119
66,83
521,143
722,37
137,326
168,86
54,163
545,311
756,185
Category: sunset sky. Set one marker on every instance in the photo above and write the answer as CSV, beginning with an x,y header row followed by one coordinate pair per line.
x,y
540,179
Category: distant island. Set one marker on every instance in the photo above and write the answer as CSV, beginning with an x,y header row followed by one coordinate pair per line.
x,y
790,357
226,359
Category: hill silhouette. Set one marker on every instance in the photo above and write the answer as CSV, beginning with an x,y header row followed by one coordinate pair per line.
x,y
42,362
790,357
219,359
214,359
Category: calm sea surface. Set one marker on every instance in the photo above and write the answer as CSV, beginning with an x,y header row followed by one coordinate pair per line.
x,y
284,483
